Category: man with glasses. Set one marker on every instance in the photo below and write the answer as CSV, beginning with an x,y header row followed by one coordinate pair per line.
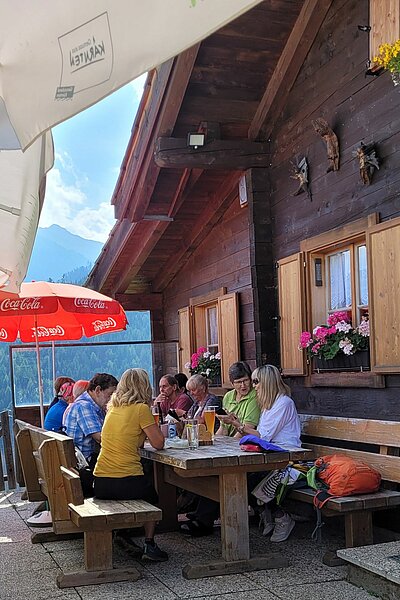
x,y
241,401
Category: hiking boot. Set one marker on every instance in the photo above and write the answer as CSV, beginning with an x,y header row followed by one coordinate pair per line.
x,y
40,519
154,553
266,523
283,528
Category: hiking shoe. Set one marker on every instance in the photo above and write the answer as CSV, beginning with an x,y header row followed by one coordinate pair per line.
x,y
153,553
195,529
40,519
266,522
283,528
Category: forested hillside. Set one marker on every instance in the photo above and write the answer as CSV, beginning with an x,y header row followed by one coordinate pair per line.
x,y
77,362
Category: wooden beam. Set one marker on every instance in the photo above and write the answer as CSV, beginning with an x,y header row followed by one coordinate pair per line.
x,y
198,230
289,64
143,174
235,155
140,301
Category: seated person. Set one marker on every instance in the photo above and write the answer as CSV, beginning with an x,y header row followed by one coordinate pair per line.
x,y
171,397
280,425
241,401
85,418
54,416
197,386
119,473
80,386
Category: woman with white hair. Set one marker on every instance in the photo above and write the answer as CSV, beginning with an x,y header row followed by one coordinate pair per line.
x,y
119,473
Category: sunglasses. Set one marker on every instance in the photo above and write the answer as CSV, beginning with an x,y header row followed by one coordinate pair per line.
x,y
255,381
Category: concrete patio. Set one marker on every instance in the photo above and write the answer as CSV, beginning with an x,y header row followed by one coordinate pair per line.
x,y
29,570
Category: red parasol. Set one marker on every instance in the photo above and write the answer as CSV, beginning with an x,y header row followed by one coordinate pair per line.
x,y
45,311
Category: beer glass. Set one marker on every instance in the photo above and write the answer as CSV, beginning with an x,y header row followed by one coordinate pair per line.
x,y
209,419
156,413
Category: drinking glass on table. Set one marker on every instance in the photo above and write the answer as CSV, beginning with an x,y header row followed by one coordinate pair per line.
x,y
209,419
192,433
156,413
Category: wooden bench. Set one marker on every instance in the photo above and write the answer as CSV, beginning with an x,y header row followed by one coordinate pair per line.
x,y
48,464
381,444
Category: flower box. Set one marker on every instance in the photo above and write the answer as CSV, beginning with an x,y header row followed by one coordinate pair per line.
x,y
359,361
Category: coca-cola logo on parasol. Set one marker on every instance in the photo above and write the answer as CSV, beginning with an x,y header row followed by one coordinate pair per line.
x,y
102,325
90,303
43,332
21,304
3,334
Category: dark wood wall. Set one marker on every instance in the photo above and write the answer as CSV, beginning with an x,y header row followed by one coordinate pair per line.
x,y
332,84
222,260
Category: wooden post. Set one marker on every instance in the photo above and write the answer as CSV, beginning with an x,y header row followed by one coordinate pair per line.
x,y
8,451
166,499
234,517
262,267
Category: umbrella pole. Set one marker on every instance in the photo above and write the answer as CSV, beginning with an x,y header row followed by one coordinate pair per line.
x,y
53,359
39,370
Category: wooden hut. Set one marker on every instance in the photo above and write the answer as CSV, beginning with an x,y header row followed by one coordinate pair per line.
x,y
224,243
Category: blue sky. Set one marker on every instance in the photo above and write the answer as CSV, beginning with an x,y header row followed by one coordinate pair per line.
x,y
89,149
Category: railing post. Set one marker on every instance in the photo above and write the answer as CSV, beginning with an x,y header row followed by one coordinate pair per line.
x,y
8,450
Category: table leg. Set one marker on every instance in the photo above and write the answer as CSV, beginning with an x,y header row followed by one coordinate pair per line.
x,y
166,499
234,517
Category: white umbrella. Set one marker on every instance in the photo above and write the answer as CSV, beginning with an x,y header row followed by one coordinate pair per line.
x,y
22,177
59,57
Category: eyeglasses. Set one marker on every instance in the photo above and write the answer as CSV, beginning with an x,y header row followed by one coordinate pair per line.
x,y
255,381
241,381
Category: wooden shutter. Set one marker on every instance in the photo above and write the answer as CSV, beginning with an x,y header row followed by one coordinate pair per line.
x,y
383,249
185,338
292,313
385,23
228,333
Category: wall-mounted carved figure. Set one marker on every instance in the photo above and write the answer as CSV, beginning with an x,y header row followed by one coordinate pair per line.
x,y
332,144
300,172
368,162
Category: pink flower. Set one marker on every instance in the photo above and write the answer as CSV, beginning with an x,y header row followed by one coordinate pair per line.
x,y
195,360
316,347
320,333
201,350
338,316
305,339
363,328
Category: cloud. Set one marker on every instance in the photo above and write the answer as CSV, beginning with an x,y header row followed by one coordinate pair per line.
x,y
67,205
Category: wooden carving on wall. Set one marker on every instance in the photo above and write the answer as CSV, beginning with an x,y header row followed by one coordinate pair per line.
x,y
368,161
300,172
332,144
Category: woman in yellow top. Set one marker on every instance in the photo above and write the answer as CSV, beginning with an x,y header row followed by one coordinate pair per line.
x,y
119,472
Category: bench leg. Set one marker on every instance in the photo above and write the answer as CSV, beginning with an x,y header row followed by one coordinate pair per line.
x,y
358,528
98,564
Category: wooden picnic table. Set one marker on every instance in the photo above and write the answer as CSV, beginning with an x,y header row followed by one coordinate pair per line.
x,y
218,472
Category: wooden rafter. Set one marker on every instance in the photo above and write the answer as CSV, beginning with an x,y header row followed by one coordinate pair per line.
x,y
140,301
289,64
198,231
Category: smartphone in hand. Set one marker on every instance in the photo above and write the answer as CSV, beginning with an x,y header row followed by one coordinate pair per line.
x,y
221,412
172,413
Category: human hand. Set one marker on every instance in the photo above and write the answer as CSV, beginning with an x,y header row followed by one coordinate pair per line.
x,y
160,398
228,419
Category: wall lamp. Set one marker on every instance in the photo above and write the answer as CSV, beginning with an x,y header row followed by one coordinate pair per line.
x,y
194,140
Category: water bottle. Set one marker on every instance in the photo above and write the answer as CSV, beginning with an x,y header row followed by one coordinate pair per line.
x,y
171,430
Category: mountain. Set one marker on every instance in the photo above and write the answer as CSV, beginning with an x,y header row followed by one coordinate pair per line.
x,y
57,252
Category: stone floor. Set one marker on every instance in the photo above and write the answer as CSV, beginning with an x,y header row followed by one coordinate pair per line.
x,y
29,571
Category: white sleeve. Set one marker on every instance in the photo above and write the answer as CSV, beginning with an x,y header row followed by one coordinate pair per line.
x,y
274,419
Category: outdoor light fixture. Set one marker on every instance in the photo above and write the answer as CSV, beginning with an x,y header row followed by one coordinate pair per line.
x,y
365,28
194,140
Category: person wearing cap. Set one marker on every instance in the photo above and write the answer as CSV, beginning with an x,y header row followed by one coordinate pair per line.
x,y
54,417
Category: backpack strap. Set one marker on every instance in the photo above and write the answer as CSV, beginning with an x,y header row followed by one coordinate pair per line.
x,y
321,498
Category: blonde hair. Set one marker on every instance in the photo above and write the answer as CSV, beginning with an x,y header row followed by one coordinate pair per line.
x,y
196,381
270,387
133,388
79,387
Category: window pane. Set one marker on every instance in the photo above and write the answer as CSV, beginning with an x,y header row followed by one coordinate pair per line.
x,y
212,326
362,275
340,280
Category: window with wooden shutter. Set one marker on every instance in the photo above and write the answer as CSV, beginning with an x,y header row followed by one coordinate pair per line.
x,y
185,339
383,247
385,23
212,321
228,333
292,313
